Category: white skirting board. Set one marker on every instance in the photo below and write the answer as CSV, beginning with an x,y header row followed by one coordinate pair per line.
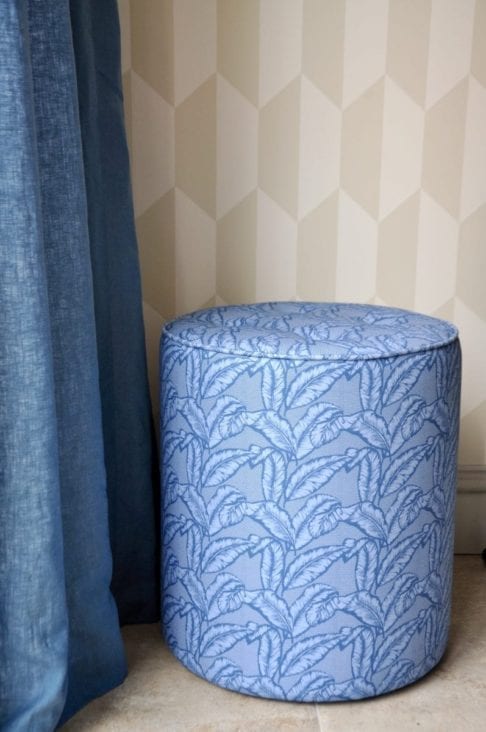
x,y
471,510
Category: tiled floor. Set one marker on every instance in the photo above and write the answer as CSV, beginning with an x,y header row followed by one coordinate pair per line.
x,y
159,694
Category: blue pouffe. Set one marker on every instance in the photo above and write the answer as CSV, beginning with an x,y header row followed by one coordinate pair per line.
x,y
309,469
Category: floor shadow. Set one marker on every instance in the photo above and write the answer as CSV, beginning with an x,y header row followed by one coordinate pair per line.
x,y
468,593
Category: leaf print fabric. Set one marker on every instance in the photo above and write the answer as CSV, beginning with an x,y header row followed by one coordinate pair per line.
x,y
309,467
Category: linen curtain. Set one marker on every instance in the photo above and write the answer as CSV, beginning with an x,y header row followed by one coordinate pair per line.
x,y
77,457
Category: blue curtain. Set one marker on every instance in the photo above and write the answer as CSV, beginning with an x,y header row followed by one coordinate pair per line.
x,y
77,460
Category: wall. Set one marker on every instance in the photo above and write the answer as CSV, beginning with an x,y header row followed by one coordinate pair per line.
x,y
313,149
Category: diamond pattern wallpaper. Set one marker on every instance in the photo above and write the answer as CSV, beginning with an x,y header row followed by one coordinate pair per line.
x,y
313,150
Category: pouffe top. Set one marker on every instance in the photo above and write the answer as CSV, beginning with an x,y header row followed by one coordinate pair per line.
x,y
311,331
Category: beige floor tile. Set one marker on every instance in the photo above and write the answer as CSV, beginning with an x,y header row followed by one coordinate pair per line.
x,y
160,694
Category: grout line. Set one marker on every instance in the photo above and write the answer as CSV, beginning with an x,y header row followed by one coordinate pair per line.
x,y
318,716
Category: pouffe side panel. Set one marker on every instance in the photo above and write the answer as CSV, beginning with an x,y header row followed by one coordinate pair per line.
x,y
308,516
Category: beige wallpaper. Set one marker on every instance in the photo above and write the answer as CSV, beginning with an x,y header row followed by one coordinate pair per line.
x,y
313,149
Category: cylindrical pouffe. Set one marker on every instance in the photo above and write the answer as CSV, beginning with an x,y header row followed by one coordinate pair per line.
x,y
309,469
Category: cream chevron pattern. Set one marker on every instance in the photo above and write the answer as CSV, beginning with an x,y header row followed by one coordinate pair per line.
x,y
313,150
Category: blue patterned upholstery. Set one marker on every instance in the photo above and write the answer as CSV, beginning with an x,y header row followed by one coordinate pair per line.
x,y
309,467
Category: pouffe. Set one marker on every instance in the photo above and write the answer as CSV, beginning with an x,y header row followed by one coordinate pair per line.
x,y
309,469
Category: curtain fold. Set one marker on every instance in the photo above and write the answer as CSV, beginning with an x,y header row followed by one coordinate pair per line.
x,y
129,437
77,458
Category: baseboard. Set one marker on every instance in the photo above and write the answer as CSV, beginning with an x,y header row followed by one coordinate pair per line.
x,y
471,510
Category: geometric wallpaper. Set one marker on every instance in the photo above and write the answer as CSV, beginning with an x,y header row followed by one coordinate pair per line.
x,y
313,150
